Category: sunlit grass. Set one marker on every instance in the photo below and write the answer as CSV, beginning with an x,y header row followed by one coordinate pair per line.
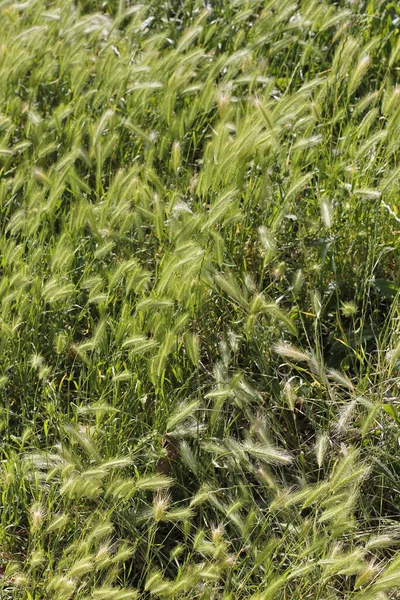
x,y
199,318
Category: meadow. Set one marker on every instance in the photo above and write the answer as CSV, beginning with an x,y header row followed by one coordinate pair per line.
x,y
199,300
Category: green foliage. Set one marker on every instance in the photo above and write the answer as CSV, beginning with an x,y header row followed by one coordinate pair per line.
x,y
199,307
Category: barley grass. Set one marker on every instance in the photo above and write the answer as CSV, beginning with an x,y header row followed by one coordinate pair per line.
x,y
199,299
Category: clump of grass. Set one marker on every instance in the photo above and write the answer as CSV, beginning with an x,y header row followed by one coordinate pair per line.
x,y
199,316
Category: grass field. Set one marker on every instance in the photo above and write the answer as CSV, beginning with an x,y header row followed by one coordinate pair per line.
x,y
199,300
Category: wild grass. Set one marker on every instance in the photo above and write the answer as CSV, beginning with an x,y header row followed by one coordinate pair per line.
x,y
199,299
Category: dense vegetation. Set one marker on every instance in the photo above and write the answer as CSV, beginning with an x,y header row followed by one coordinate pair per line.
x,y
199,323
